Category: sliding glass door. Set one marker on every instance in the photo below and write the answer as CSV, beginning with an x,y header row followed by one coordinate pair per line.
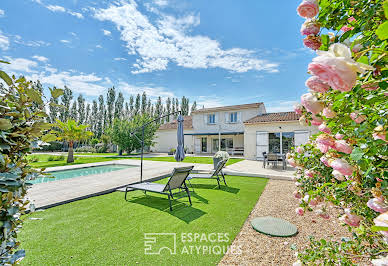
x,y
280,142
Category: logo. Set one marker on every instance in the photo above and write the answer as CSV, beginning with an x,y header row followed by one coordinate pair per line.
x,y
154,243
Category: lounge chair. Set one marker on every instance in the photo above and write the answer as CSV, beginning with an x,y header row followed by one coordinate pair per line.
x,y
176,181
216,174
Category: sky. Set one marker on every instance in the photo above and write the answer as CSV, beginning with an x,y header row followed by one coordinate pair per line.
x,y
218,52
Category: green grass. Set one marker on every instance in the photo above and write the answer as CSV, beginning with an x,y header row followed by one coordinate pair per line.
x,y
107,230
96,153
43,160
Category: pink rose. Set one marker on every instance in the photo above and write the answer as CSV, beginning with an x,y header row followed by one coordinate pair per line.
x,y
378,205
351,219
310,27
292,162
308,9
337,175
312,42
342,146
315,84
346,28
356,117
325,161
299,149
298,108
334,71
328,112
379,135
342,166
303,121
352,19
324,128
323,148
309,173
339,136
382,220
297,195
299,211
311,103
326,140
370,86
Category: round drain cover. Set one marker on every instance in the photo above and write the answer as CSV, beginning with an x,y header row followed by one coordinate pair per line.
x,y
274,226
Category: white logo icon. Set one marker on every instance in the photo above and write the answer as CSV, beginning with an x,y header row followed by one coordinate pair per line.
x,y
154,243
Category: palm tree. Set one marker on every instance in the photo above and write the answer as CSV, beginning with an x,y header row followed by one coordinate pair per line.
x,y
70,131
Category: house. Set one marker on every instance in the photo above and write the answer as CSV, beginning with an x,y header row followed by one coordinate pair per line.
x,y
246,130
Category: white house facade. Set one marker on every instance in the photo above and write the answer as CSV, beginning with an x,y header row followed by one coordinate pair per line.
x,y
242,130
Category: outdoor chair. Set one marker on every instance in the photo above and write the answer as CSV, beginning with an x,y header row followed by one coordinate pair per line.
x,y
264,158
272,158
216,174
176,181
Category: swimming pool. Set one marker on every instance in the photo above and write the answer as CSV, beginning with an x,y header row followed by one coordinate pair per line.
x,y
65,174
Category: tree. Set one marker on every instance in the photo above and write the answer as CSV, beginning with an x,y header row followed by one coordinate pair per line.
x,y
137,105
81,109
168,108
173,106
119,106
185,106
94,116
101,116
194,106
126,110
149,109
71,132
22,127
73,111
144,103
66,101
159,107
88,116
121,130
131,107
53,109
110,100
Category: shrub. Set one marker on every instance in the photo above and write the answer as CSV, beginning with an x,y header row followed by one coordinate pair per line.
x,y
54,146
33,159
86,149
221,155
22,124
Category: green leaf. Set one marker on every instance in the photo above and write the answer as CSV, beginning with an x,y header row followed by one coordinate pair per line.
x,y
385,5
4,62
34,95
5,124
363,59
376,228
356,154
56,92
6,78
49,138
382,31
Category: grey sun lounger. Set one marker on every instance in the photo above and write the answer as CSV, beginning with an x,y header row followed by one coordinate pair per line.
x,y
216,174
177,180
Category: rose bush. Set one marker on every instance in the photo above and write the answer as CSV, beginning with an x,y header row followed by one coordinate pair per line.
x,y
345,165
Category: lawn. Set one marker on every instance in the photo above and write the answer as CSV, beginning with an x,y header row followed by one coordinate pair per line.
x,y
43,160
111,231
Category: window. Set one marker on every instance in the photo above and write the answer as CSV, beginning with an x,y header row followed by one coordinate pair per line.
x,y
211,119
233,117
226,144
280,142
204,144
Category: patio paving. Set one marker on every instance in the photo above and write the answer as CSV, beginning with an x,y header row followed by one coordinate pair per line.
x,y
53,193
255,168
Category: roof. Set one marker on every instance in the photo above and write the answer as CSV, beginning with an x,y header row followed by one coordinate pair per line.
x,y
187,124
273,117
213,134
228,108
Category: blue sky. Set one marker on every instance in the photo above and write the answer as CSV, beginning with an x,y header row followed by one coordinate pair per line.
x,y
219,52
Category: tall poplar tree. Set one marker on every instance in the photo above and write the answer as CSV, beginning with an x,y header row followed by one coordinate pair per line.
x,y
110,101
66,98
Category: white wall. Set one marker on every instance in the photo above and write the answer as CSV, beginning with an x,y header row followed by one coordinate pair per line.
x,y
166,139
200,126
251,129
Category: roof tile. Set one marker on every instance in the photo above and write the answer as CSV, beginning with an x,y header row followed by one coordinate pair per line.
x,y
273,117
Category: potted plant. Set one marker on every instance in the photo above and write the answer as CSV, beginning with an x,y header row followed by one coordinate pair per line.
x,y
220,156
172,151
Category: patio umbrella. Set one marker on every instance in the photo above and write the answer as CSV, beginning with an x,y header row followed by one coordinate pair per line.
x,y
180,151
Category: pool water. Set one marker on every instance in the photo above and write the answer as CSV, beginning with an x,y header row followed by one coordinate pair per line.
x,y
65,174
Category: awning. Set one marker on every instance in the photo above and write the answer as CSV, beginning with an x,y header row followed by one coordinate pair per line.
x,y
214,134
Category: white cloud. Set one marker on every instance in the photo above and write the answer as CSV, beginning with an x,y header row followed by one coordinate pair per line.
x,y
55,8
168,41
40,58
280,106
119,59
106,32
64,41
18,39
73,34
98,46
4,42
20,65
75,14
1,12
209,101
161,2
152,92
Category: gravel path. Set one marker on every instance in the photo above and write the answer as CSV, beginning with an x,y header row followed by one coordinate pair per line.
x,y
277,201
